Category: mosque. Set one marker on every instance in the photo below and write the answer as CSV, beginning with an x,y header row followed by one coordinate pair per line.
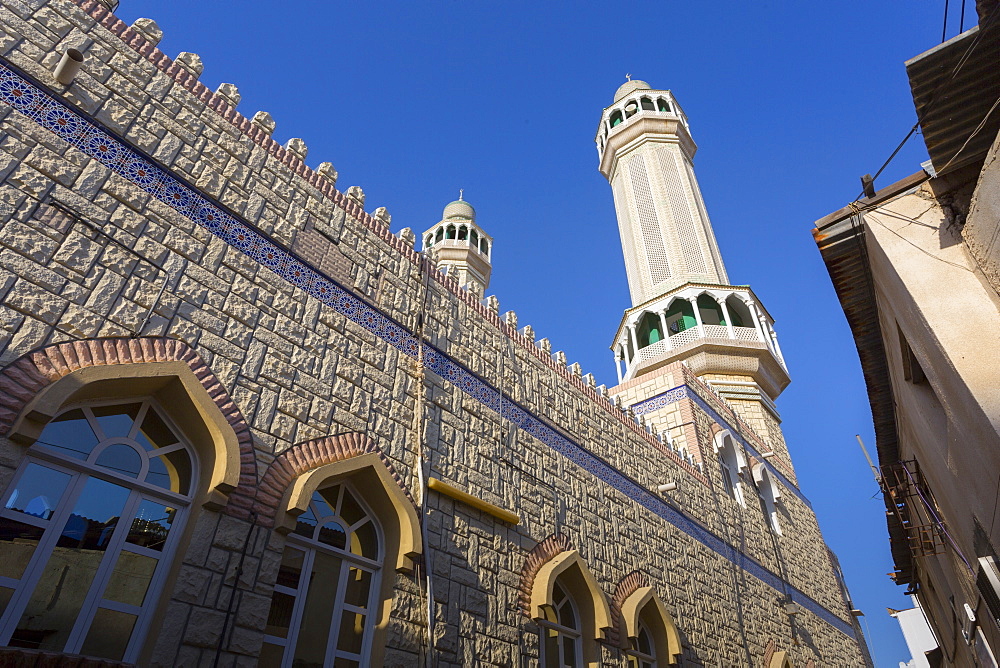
x,y
243,422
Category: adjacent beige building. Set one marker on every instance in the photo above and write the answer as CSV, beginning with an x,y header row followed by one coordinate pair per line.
x,y
916,266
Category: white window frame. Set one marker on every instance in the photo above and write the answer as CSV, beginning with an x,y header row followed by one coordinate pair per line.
x,y
561,631
310,547
80,472
640,656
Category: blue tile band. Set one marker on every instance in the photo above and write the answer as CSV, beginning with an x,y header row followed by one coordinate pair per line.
x,y
54,115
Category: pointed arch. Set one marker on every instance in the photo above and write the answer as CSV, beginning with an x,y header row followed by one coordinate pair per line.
x,y
643,605
34,387
289,482
780,659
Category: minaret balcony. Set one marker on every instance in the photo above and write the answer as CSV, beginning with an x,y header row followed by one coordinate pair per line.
x,y
713,329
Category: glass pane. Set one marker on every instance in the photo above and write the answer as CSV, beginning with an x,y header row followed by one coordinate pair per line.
x,y
550,645
130,579
291,568
364,541
310,646
5,594
341,662
70,570
109,634
352,632
116,420
280,616
122,459
71,433
359,583
332,533
569,652
644,641
171,471
270,655
154,432
17,543
151,525
351,510
38,491
305,524
322,507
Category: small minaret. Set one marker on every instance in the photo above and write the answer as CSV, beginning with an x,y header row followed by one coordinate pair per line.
x,y
460,246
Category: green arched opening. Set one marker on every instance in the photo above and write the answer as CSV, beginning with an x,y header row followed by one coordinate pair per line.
x,y
662,104
648,330
711,312
616,118
450,234
440,234
474,239
680,316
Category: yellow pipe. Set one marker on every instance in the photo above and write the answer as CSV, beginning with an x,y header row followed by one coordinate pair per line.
x,y
475,502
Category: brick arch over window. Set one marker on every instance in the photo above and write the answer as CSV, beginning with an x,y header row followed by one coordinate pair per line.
x,y
302,458
628,586
539,555
632,595
289,482
35,386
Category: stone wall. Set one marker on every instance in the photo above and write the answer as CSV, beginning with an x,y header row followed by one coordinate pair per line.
x,y
86,247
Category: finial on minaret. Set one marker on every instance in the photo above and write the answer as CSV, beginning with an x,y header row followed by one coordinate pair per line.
x,y
461,192
628,77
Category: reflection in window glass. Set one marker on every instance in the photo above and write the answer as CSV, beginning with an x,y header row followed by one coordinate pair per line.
x,y
130,579
81,546
310,646
38,491
17,544
320,565
116,420
109,634
121,458
270,655
70,433
151,525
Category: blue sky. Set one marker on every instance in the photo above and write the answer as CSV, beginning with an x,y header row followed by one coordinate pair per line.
x,y
789,102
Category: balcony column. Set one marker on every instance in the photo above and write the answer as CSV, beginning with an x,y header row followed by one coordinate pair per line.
x,y
777,348
618,363
757,324
632,338
666,332
697,316
729,320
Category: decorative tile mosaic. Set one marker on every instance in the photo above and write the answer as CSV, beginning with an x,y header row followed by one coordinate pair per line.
x,y
676,394
55,116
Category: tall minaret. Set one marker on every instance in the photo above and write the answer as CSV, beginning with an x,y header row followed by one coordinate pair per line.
x,y
646,154
683,308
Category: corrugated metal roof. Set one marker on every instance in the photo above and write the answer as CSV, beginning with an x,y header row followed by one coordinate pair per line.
x,y
954,86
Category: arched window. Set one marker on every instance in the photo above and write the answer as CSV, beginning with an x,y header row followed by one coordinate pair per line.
x,y
630,108
561,643
484,247
770,495
474,238
463,233
730,463
440,234
662,105
640,653
648,329
323,606
429,241
711,312
650,637
680,316
616,118
88,527
647,104
450,234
